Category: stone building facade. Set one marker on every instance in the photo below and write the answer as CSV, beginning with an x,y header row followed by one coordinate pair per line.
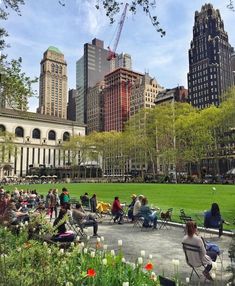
x,y
37,141
210,73
53,84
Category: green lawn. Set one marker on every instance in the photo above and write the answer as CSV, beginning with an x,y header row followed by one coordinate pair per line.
x,y
193,198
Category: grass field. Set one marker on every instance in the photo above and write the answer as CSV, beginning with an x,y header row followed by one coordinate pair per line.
x,y
193,198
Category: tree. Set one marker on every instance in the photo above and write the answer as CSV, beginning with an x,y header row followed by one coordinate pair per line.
x,y
7,147
15,86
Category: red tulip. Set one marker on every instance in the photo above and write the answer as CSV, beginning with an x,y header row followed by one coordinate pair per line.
x,y
149,266
91,272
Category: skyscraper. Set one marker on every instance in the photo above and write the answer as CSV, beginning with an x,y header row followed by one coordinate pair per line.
x,y
144,93
71,108
210,72
124,61
117,94
90,69
53,84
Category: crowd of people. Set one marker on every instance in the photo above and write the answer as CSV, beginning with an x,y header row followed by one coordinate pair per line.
x,y
15,206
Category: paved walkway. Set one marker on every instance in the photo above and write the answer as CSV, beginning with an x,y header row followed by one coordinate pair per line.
x,y
164,245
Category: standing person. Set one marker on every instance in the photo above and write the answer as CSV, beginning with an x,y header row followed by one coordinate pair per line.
x,y
93,203
117,211
131,207
213,218
64,197
148,214
192,238
53,203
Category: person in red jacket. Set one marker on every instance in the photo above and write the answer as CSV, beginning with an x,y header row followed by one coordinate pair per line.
x,y
117,211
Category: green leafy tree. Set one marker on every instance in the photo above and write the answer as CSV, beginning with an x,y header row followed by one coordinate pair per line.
x,y
7,146
16,87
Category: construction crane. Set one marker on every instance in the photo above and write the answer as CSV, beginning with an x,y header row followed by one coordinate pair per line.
x,y
112,53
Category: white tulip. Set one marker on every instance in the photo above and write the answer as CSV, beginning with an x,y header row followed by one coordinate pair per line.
x,y
119,242
98,239
77,238
142,253
150,256
49,251
62,251
177,262
112,252
5,228
140,260
187,280
72,244
45,243
125,284
105,246
82,244
26,223
104,261
88,237
93,254
123,260
85,250
102,238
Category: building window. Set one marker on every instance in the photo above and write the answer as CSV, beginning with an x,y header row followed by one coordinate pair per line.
x,y
66,136
19,132
2,128
36,133
51,135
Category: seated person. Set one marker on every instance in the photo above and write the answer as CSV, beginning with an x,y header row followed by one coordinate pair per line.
x,y
93,203
137,206
213,219
13,216
60,226
131,207
117,211
148,215
192,238
82,219
85,200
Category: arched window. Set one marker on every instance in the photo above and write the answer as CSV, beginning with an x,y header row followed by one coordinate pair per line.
x,y
66,136
19,132
36,133
60,70
2,128
51,135
56,68
52,67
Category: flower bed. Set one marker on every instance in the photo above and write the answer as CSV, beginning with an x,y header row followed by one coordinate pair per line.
x,y
30,262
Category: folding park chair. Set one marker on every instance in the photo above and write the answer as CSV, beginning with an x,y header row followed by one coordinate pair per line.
x,y
193,252
165,281
138,221
165,218
76,227
184,218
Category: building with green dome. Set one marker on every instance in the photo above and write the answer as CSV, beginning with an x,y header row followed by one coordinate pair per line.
x,y
53,84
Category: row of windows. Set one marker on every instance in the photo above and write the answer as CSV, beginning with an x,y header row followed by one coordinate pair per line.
x,y
36,133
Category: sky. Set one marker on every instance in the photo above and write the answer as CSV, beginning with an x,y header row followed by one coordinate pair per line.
x,y
46,23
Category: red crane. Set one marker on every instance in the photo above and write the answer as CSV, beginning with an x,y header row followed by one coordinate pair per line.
x,y
112,53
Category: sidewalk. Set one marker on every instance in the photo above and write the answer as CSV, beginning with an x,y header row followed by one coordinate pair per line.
x,y
164,245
